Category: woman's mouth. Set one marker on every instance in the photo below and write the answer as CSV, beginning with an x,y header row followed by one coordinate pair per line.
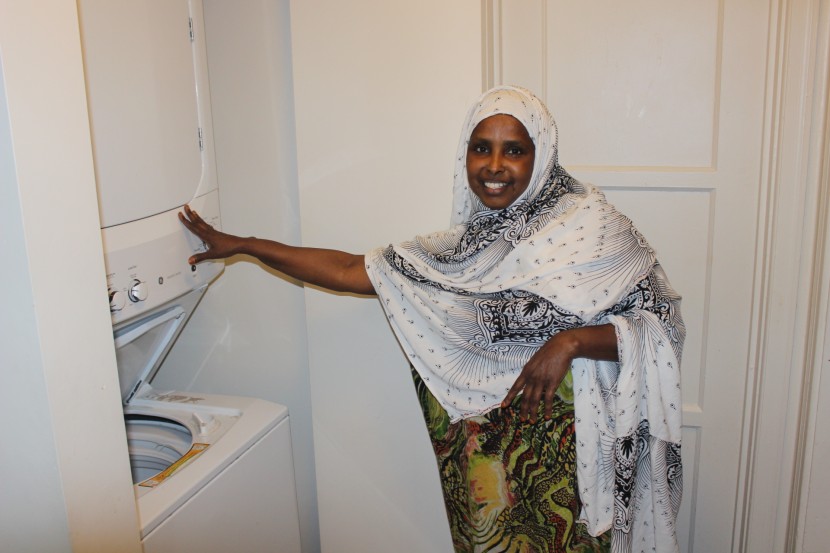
x,y
491,185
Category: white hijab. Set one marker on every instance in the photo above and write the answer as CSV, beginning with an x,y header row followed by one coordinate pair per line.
x,y
541,127
472,304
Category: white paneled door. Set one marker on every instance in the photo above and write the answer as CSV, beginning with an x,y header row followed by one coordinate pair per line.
x,y
662,105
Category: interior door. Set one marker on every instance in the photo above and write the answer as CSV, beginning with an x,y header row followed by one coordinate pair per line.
x,y
661,105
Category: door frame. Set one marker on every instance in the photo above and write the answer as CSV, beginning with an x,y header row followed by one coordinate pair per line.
x,y
790,271
788,320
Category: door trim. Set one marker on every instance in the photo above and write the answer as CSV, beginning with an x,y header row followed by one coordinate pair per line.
x,y
793,217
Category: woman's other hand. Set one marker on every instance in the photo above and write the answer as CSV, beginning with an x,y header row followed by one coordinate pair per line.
x,y
219,244
545,371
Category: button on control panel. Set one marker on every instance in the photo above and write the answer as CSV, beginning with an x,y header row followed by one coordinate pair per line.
x,y
138,291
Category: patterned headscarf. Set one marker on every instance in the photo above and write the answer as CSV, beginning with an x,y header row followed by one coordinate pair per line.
x,y
472,304
532,113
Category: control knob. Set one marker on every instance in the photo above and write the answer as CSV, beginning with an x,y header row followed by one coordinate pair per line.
x,y
117,300
137,291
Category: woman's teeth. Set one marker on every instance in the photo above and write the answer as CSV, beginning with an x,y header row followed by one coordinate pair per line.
x,y
495,185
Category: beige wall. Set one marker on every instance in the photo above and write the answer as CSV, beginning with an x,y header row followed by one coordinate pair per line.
x,y
248,336
381,90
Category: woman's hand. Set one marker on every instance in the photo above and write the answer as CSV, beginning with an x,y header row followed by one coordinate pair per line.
x,y
541,377
219,244
545,371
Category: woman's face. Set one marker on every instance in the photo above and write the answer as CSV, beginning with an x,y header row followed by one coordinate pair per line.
x,y
499,160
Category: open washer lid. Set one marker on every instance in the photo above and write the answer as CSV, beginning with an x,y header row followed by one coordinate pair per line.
x,y
142,344
152,288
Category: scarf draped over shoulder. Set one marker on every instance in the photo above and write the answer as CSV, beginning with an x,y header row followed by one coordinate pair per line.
x,y
470,305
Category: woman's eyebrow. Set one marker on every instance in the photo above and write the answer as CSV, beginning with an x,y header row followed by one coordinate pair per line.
x,y
522,143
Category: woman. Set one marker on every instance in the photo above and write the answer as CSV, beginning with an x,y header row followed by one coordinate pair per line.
x,y
545,343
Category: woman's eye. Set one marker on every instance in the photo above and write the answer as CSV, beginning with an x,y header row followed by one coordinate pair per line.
x,y
478,148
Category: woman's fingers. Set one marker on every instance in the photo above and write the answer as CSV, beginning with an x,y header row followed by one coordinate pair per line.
x,y
185,221
195,224
530,403
193,221
538,382
191,213
549,393
218,245
532,395
198,258
513,392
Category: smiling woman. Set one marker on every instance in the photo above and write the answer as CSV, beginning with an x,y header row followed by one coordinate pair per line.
x,y
528,323
551,278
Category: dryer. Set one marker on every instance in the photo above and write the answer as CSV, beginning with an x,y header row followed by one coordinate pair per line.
x,y
211,473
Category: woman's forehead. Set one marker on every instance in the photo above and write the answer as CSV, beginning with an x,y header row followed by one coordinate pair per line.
x,y
502,124
524,116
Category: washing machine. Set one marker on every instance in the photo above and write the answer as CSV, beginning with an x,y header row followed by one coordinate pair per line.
x,y
211,473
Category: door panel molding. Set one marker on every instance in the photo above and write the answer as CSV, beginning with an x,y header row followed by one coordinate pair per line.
x,y
531,53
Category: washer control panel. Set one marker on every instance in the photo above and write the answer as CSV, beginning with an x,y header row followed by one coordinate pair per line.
x,y
146,260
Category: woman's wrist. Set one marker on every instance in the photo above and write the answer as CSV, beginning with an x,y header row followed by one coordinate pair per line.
x,y
591,342
566,343
244,245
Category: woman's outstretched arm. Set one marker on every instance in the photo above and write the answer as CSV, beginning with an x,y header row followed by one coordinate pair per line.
x,y
332,269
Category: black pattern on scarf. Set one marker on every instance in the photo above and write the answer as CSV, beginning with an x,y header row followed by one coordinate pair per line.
x,y
513,224
637,455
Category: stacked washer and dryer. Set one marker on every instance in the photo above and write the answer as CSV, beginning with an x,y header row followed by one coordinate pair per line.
x,y
211,473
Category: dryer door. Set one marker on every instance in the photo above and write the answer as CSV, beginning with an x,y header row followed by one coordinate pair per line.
x,y
149,107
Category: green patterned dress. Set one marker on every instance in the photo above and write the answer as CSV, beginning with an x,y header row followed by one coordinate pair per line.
x,y
510,486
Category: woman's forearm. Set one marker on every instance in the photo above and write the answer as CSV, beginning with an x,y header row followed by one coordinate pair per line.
x,y
332,269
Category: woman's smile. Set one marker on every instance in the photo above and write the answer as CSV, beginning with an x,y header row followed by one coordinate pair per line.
x,y
495,185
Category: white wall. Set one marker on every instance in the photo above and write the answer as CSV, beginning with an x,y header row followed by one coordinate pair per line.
x,y
63,489
248,336
381,90
36,494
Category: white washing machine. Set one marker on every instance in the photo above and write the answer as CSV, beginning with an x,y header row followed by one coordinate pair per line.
x,y
211,473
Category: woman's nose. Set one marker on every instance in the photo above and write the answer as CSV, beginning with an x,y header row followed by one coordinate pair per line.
x,y
495,163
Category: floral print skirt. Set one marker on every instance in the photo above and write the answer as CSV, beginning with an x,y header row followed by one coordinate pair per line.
x,y
510,486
